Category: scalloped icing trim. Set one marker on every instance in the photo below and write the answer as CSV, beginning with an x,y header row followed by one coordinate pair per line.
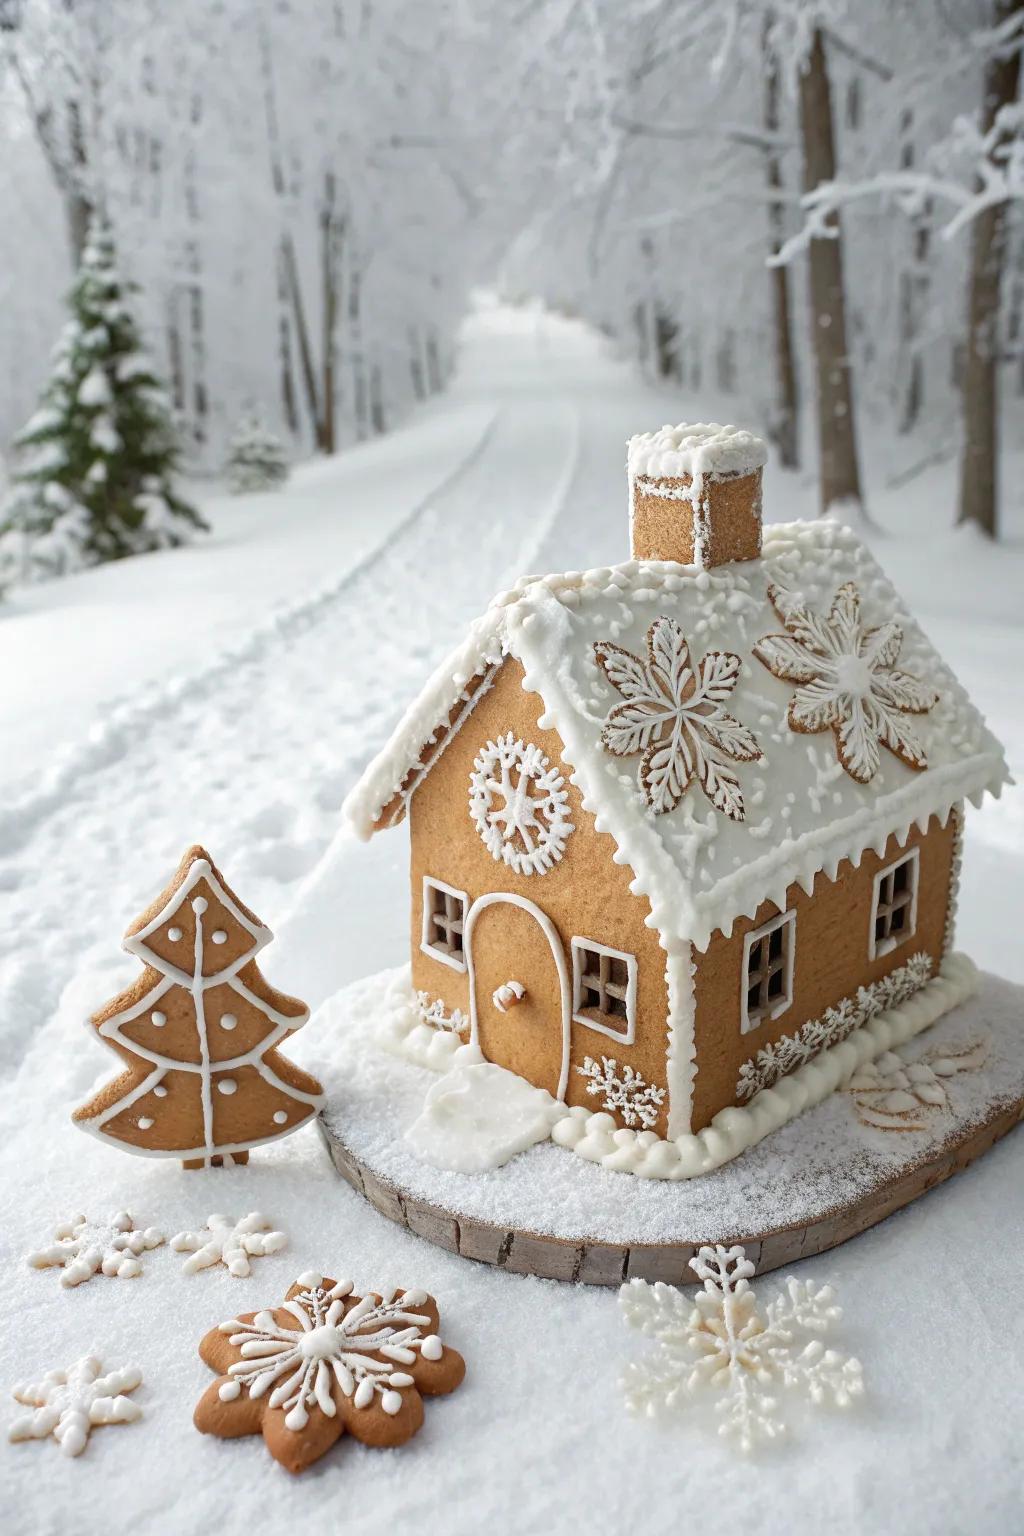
x,y
594,1135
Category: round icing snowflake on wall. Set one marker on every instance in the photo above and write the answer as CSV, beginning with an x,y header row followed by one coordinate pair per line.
x,y
519,805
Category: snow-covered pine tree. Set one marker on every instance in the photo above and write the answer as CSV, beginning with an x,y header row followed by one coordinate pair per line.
x,y
257,460
95,478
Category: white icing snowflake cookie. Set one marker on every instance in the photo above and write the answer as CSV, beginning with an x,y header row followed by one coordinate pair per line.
x,y
68,1404
231,1243
724,1344
83,1248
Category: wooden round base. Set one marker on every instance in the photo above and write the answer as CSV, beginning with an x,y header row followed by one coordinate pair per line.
x,y
604,1263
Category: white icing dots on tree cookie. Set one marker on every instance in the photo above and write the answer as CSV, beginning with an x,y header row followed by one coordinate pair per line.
x,y
158,1018
227,1085
280,1116
227,1021
174,933
145,1122
219,936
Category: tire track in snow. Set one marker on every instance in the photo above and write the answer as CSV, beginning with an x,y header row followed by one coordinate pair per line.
x,y
253,754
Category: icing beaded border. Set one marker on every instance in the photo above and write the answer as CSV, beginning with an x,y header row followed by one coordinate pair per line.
x,y
596,1136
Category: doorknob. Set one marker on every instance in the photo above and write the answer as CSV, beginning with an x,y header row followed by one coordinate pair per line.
x,y
508,995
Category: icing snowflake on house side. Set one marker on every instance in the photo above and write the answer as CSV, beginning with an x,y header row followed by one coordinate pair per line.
x,y
723,1343
849,681
69,1404
631,1096
83,1248
774,1060
231,1243
325,1362
674,714
519,806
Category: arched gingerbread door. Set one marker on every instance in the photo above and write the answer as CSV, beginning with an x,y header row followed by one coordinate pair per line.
x,y
508,939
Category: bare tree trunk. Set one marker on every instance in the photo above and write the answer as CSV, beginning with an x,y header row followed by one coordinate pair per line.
x,y
306,368
785,424
419,387
78,205
360,388
329,241
979,485
914,285
839,472
378,416
289,403
196,297
434,379
666,354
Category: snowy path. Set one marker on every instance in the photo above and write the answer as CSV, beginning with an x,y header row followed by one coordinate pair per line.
x,y
254,754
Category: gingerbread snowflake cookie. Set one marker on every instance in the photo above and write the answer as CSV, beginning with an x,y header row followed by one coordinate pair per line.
x,y
674,714
848,680
324,1363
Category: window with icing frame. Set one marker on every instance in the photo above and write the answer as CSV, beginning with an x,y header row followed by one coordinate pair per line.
x,y
444,922
604,989
768,954
894,905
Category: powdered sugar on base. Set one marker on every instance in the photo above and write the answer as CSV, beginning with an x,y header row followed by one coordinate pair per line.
x,y
479,1116
820,1161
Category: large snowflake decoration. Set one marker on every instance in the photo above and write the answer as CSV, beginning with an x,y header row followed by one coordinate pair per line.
x,y
724,1344
83,1248
69,1403
849,681
228,1242
674,715
519,806
323,1363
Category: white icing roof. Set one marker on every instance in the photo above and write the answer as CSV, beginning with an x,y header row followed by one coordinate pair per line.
x,y
699,869
697,449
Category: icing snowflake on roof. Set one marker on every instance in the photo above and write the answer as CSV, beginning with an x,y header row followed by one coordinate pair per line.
x,y
849,681
68,1404
674,714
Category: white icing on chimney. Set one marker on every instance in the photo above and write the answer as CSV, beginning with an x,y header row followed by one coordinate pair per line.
x,y
695,450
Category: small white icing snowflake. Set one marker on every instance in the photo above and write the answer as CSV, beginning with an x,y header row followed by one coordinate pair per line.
x,y
84,1248
635,1099
231,1243
724,1344
849,681
69,1403
674,714
519,806
330,1345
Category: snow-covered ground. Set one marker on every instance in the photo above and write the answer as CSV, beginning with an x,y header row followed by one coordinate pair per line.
x,y
229,694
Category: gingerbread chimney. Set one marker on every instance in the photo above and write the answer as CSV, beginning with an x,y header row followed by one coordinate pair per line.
x,y
695,494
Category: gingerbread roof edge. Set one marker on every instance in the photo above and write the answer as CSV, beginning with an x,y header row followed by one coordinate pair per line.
x,y
802,811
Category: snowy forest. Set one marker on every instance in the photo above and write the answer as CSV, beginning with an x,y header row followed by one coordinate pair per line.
x,y
807,207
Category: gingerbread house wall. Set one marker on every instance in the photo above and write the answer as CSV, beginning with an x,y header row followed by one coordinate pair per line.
x,y
831,958
586,894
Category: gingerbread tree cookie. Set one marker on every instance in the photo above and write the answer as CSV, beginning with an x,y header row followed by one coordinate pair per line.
x,y
200,1031
325,1363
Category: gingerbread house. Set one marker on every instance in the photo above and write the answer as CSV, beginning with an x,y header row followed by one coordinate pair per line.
x,y
685,831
